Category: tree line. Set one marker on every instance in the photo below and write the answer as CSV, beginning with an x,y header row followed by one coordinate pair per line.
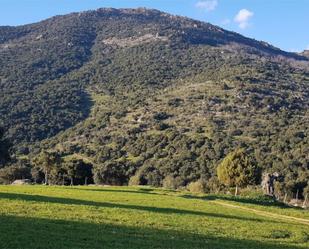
x,y
237,170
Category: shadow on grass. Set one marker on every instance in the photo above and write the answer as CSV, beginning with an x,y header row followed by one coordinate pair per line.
x,y
107,189
37,233
262,201
68,201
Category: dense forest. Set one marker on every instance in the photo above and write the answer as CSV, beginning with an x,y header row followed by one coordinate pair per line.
x,y
138,96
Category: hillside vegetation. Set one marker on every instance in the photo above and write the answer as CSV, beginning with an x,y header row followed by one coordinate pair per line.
x,y
148,98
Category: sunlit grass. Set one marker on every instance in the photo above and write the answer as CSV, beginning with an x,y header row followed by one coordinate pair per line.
x,y
135,217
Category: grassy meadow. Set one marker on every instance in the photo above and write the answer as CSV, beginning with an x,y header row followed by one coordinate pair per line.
x,y
136,218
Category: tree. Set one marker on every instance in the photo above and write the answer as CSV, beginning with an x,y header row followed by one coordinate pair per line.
x,y
4,149
14,172
78,171
237,170
111,173
46,161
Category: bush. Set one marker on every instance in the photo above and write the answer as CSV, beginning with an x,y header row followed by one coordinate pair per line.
x,y
111,173
197,187
12,173
279,234
213,185
236,132
171,182
147,175
175,102
135,180
161,116
161,126
154,178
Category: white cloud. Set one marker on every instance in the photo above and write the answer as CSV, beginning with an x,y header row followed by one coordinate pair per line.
x,y
307,48
243,17
208,5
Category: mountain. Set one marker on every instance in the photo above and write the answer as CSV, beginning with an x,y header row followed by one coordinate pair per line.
x,y
142,93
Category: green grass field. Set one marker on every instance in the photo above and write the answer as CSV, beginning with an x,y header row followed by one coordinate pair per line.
x,y
136,218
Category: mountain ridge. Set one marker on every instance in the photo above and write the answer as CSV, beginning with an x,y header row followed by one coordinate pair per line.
x,y
154,12
149,95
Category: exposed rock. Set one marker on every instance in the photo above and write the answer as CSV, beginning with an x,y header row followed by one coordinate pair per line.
x,y
22,182
134,41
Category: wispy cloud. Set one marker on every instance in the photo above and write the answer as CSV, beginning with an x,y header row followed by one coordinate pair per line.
x,y
243,17
307,48
208,5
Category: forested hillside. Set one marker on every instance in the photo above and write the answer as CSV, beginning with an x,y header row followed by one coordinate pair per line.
x,y
145,97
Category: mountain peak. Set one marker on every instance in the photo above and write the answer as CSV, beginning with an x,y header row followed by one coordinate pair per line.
x,y
194,31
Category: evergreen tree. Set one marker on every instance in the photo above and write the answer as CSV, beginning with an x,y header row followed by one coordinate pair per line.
x,y
237,170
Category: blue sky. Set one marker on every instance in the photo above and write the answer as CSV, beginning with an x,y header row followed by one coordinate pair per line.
x,y
283,23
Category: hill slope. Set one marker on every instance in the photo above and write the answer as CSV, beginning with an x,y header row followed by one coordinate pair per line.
x,y
153,94
93,217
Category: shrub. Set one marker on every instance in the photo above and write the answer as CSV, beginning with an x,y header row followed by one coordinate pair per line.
x,y
12,173
111,173
213,185
161,116
175,102
147,175
161,126
279,234
236,132
171,182
154,178
197,187
135,180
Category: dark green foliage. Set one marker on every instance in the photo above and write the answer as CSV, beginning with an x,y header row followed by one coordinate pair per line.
x,y
4,149
280,234
14,172
140,89
50,167
78,172
161,116
111,173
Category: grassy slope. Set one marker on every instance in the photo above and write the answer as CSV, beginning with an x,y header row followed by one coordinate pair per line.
x,y
122,217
